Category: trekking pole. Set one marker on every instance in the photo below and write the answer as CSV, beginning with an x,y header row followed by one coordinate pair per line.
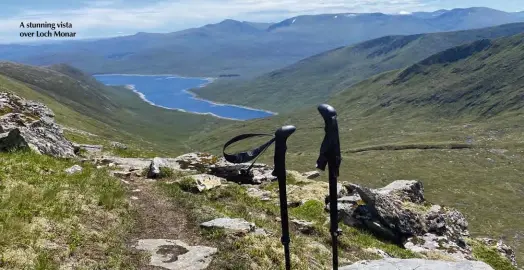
x,y
330,154
281,136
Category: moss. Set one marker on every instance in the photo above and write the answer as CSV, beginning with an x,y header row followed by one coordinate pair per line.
x,y
311,210
5,110
418,241
417,208
490,256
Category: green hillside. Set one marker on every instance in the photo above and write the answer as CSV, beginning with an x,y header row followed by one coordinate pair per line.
x,y
315,79
453,121
115,113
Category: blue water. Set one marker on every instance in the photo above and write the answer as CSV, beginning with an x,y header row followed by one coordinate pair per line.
x,y
170,92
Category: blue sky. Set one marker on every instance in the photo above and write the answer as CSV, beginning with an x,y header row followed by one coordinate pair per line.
x,y
103,18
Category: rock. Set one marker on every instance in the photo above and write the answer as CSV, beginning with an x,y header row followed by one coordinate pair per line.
x,y
390,211
196,161
120,174
175,254
118,145
30,125
503,249
298,195
399,213
261,232
311,175
258,174
395,264
201,182
74,169
262,195
379,252
303,226
234,225
405,190
90,148
154,168
438,244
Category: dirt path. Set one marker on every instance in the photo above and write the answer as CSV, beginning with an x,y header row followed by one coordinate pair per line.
x,y
155,217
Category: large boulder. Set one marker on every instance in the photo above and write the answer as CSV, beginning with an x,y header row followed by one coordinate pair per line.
x,y
196,161
399,213
396,264
30,125
258,174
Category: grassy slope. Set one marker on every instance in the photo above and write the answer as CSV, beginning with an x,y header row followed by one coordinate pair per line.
x,y
49,219
315,79
115,113
439,101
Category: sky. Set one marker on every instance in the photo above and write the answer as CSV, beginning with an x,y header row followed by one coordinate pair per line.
x,y
105,18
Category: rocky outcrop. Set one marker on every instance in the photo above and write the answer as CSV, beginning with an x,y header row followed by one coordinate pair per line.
x,y
399,213
503,249
175,254
258,174
396,264
30,125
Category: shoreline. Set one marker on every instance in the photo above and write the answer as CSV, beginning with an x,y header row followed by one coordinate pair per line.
x,y
143,98
208,80
195,96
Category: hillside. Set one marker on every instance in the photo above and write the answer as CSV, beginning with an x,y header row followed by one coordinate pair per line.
x,y
452,120
87,209
243,48
83,103
315,79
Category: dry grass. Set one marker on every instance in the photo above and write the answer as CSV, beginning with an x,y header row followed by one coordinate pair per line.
x,y
50,219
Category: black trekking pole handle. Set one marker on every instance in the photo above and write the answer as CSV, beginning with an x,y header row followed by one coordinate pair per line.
x,y
330,155
281,136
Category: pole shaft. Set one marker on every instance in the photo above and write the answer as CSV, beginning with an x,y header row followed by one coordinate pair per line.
x,y
280,172
333,204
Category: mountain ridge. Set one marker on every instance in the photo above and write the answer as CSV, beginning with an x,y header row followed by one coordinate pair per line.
x,y
315,79
242,48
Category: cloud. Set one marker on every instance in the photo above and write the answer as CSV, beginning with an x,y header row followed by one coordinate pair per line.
x,y
102,17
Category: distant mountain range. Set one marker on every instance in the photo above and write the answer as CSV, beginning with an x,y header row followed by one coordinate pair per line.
x,y
315,79
245,48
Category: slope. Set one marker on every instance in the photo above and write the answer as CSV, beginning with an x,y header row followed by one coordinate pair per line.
x,y
453,121
115,113
243,48
315,79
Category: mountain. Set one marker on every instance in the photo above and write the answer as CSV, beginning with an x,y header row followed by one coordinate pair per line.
x,y
315,79
116,113
244,48
452,120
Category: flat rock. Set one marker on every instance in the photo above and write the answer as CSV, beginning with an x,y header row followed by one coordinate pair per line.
x,y
262,195
303,226
175,254
396,264
90,148
201,182
74,169
235,225
311,175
